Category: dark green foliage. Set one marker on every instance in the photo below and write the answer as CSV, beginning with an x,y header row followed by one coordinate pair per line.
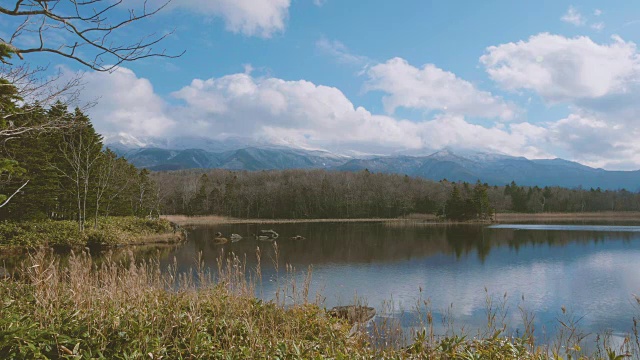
x,y
519,196
70,176
468,204
5,52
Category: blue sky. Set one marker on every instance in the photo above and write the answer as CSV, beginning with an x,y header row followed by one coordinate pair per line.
x,y
540,79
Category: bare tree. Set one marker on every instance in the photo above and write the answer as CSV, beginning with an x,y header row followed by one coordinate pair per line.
x,y
82,155
91,32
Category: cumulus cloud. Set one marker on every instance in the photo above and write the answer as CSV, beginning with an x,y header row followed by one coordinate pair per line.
x,y
261,18
431,88
564,69
574,17
596,142
599,82
125,103
294,112
301,110
305,113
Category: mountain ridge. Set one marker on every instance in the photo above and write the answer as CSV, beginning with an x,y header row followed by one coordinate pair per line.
x,y
491,168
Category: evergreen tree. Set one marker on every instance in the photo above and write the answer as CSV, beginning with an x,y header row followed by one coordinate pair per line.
x,y
481,203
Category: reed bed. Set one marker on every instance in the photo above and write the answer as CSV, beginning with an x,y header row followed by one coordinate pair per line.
x,y
131,309
581,216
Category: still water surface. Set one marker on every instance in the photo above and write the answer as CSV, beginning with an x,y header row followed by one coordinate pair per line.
x,y
593,271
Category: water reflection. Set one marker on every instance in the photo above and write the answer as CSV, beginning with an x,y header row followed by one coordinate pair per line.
x,y
594,273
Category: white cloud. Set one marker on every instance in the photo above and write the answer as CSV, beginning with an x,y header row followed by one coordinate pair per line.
x,y
319,3
261,18
597,12
301,110
596,142
564,69
573,16
126,103
340,52
304,113
431,88
599,82
294,112
599,26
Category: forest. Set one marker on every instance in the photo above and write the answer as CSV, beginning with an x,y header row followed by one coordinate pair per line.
x,y
302,194
64,173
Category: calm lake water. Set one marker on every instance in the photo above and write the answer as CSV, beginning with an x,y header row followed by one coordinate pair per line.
x,y
592,271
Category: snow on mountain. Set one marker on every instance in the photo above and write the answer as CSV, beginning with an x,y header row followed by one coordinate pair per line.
x,y
452,164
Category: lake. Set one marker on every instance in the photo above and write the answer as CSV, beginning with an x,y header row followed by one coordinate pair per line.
x,y
591,271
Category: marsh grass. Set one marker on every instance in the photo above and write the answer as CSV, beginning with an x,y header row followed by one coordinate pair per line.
x,y
621,216
110,231
135,309
218,220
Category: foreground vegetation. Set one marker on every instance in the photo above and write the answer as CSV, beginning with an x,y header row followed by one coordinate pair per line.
x,y
133,310
111,231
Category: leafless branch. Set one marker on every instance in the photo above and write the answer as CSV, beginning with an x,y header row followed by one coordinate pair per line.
x,y
14,194
90,32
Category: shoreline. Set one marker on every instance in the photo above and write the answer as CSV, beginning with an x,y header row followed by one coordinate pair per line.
x,y
183,220
155,241
417,219
585,216
113,232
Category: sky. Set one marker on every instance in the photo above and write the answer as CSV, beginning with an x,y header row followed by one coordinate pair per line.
x,y
540,79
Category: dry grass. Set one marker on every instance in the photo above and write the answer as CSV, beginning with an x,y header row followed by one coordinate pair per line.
x,y
168,238
415,219
183,220
134,310
584,216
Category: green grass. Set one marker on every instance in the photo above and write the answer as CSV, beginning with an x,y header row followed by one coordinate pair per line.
x,y
110,231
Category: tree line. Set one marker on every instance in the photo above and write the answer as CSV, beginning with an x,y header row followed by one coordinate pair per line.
x,y
303,194
65,173
52,162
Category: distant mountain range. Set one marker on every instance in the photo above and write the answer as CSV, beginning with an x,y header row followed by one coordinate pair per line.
x,y
495,169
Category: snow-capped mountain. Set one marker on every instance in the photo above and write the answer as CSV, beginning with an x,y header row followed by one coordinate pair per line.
x,y
454,165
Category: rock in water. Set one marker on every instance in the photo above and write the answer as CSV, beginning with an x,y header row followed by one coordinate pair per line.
x,y
353,313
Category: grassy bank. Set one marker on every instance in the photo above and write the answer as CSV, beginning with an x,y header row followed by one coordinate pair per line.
x,y
424,219
111,231
133,310
184,220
